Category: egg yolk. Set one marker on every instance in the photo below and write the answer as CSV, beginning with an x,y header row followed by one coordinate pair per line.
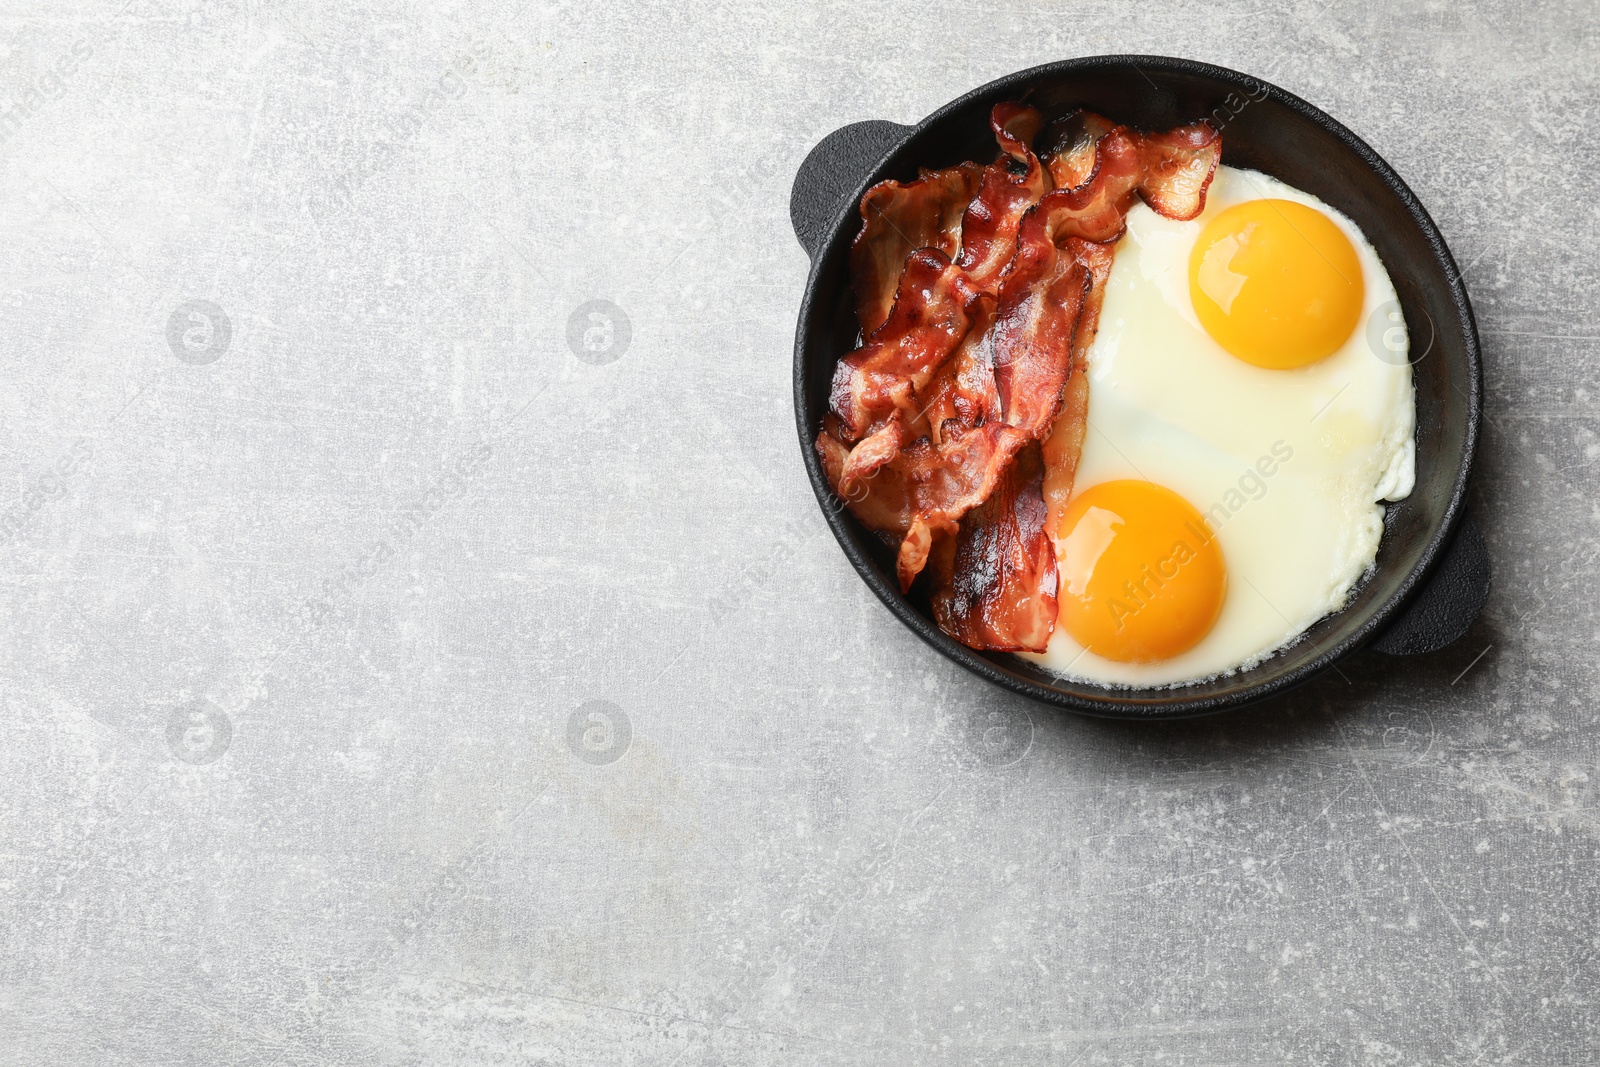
x,y
1276,283
1141,573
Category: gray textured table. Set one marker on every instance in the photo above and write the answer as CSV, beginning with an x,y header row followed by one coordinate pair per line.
x,y
409,661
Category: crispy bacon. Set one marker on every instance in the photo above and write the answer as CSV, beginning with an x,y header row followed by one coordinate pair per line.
x,y
1178,167
1063,448
947,481
1011,185
1171,171
875,387
896,220
1064,445
929,320
955,430
1097,258
1094,210
1070,147
882,500
1041,297
925,490
996,579
964,389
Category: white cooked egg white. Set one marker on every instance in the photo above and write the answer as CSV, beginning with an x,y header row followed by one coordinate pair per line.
x,y
1290,467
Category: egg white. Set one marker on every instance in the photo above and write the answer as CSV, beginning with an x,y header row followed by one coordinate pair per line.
x,y
1169,405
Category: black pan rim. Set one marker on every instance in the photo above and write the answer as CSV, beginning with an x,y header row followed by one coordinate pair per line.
x,y
1165,703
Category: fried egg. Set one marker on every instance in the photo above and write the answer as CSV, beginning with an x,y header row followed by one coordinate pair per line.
x,y
1250,410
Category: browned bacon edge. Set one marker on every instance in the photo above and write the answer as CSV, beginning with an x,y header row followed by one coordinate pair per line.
x,y
931,437
1069,147
1064,444
876,388
995,581
899,218
1010,186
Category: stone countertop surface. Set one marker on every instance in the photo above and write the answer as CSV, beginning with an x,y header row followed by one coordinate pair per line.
x,y
422,646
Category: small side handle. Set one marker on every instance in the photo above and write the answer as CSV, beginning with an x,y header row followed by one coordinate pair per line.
x,y
1455,594
832,171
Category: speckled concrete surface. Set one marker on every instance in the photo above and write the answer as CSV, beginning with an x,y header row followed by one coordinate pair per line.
x,y
409,661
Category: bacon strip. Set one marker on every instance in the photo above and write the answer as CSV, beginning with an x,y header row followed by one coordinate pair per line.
x,y
1070,150
922,493
1171,171
1041,298
996,580
948,480
1178,167
964,389
1063,447
882,500
896,220
1011,185
875,387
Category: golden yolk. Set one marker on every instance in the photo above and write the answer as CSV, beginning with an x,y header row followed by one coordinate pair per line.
x,y
1276,283
1142,577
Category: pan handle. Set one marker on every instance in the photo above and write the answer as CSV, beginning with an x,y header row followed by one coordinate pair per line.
x,y
1454,594
832,171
